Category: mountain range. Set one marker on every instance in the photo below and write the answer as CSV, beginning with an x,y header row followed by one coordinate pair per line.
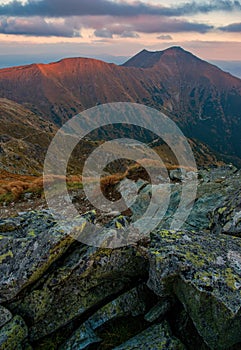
x,y
202,99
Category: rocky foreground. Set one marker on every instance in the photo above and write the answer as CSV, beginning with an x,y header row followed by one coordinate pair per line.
x,y
176,290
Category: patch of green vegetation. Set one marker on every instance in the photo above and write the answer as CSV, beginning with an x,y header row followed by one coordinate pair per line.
x,y
74,186
6,198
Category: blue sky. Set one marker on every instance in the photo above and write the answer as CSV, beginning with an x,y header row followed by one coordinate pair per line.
x,y
52,29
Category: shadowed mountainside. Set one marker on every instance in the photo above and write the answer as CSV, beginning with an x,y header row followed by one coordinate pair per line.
x,y
201,98
24,138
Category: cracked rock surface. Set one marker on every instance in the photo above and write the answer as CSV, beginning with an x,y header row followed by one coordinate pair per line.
x,y
174,290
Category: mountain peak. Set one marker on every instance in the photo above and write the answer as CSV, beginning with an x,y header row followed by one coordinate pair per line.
x,y
144,59
176,48
148,59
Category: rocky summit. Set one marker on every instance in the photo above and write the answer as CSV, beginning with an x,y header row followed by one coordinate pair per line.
x,y
173,290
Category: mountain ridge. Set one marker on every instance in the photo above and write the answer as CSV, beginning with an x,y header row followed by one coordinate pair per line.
x,y
155,56
201,98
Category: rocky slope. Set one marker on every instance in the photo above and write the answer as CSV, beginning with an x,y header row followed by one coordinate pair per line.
x,y
24,138
176,290
205,101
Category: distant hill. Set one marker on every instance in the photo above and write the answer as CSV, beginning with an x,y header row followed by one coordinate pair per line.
x,y
201,98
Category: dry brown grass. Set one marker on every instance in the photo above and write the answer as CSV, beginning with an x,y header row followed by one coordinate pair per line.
x,y
12,186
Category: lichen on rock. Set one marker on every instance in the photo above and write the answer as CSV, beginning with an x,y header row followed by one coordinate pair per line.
x,y
71,295
5,316
12,334
200,270
29,244
227,218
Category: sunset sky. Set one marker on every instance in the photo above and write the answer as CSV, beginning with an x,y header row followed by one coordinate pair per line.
x,y
52,29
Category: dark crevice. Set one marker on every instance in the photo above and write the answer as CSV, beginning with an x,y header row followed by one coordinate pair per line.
x,y
183,328
69,328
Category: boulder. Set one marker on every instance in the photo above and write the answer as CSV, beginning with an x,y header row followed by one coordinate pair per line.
x,y
155,337
81,339
177,174
128,304
159,310
227,218
5,316
204,272
13,334
70,294
29,244
210,195
84,281
131,303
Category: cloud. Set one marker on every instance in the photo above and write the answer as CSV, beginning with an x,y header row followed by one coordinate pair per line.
x,y
128,34
103,33
108,18
103,27
175,26
194,7
234,27
112,28
63,8
145,24
165,37
37,26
